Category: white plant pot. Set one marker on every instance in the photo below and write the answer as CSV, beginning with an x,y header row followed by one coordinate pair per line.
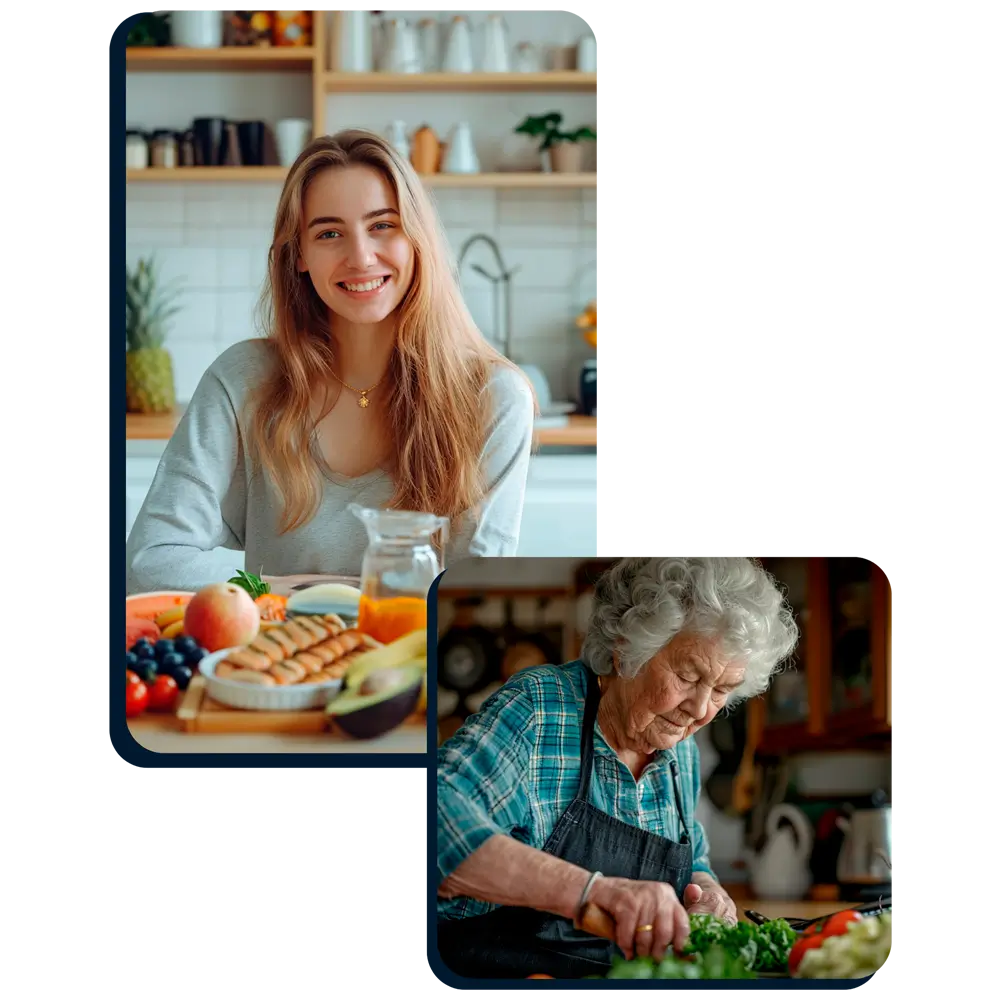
x,y
196,29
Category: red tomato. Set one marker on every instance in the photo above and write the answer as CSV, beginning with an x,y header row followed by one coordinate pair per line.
x,y
136,699
163,694
837,924
131,677
800,948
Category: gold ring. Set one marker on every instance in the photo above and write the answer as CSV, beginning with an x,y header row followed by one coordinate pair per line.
x,y
644,927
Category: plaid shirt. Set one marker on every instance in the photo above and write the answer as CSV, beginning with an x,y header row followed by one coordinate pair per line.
x,y
514,768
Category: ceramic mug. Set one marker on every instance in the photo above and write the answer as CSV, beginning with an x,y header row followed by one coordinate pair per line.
x,y
196,29
291,136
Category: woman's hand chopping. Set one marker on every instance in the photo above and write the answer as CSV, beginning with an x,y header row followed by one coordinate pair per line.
x,y
648,915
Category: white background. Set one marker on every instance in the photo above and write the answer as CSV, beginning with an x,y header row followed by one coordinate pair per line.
x,y
129,886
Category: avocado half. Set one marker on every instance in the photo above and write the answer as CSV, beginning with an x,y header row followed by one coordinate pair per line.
x,y
381,702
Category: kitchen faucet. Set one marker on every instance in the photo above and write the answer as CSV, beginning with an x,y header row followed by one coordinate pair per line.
x,y
502,278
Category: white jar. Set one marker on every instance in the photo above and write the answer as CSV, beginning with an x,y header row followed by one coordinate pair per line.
x,y
136,151
196,29
586,54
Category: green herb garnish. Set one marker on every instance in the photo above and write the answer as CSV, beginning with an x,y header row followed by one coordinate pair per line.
x,y
251,583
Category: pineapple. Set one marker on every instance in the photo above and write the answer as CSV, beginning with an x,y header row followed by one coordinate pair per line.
x,y
149,372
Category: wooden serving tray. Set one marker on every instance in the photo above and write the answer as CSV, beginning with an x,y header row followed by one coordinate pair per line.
x,y
198,713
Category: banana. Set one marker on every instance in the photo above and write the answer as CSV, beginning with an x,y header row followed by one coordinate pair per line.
x,y
168,617
172,631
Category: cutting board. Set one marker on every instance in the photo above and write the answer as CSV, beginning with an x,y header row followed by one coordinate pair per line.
x,y
198,713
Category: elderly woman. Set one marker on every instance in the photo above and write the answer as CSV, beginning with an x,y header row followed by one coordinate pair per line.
x,y
578,783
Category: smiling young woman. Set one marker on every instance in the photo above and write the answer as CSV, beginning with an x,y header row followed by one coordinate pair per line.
x,y
373,385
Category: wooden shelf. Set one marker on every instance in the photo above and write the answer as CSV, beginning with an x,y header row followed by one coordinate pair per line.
x,y
234,57
799,84
511,179
800,185
498,180
368,83
182,174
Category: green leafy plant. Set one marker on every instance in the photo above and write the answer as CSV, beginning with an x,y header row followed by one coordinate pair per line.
x,y
547,128
150,30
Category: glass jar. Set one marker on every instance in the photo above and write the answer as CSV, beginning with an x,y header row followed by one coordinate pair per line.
x,y
163,148
136,150
398,568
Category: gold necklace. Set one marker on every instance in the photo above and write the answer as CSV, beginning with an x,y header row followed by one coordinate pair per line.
x,y
363,399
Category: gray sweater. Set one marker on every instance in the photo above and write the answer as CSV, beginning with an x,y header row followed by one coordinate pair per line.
x,y
203,496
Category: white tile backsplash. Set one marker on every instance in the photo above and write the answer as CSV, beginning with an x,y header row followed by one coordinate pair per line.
x,y
215,239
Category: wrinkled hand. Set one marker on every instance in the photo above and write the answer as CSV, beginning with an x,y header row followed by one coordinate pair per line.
x,y
714,901
635,904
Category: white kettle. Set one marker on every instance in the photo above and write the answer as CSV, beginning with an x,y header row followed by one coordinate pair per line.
x,y
781,869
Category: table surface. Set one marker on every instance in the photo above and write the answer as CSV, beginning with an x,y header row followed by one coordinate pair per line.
x,y
161,735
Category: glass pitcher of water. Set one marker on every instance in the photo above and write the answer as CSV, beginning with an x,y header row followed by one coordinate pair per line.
x,y
399,565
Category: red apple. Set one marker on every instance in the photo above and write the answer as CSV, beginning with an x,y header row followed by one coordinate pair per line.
x,y
222,615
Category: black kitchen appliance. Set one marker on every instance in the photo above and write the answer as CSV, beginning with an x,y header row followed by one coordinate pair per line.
x,y
588,388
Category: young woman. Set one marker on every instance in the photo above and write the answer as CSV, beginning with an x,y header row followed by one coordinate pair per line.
x,y
373,386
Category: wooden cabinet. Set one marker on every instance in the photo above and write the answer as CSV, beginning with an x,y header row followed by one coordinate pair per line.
x,y
837,692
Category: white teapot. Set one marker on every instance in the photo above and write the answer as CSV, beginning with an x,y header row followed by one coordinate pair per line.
x,y
781,869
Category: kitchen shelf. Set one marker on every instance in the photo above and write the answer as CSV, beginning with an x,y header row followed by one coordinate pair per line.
x,y
801,185
526,179
182,174
369,83
233,57
511,179
799,84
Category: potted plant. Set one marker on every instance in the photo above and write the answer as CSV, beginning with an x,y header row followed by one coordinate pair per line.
x,y
563,149
149,372
149,30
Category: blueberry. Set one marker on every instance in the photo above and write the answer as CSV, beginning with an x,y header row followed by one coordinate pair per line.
x,y
131,660
193,659
169,661
182,675
143,649
146,669
164,647
185,645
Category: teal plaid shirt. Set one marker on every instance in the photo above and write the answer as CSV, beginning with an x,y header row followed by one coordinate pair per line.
x,y
514,768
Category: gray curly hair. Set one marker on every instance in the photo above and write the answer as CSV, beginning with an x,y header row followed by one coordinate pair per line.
x,y
641,604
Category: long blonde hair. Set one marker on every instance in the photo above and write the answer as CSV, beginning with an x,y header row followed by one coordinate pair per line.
x,y
438,371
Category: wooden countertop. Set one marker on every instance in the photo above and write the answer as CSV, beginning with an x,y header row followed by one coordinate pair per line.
x,y
807,909
580,432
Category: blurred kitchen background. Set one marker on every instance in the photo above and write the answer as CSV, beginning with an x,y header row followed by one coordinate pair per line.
x,y
217,101
796,784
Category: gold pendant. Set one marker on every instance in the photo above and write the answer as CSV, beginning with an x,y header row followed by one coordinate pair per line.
x,y
363,401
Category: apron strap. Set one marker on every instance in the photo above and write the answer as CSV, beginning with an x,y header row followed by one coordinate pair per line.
x,y
677,798
587,735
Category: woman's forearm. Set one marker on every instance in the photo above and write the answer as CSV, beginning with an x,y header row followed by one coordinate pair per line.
x,y
508,873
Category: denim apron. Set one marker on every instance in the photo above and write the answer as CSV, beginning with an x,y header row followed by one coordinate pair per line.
x,y
514,942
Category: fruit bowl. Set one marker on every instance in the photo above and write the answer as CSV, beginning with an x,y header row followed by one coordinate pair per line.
x,y
260,698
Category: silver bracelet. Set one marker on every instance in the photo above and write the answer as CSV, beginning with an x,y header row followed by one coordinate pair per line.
x,y
586,892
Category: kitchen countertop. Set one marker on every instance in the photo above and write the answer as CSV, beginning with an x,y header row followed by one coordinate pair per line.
x,y
580,432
